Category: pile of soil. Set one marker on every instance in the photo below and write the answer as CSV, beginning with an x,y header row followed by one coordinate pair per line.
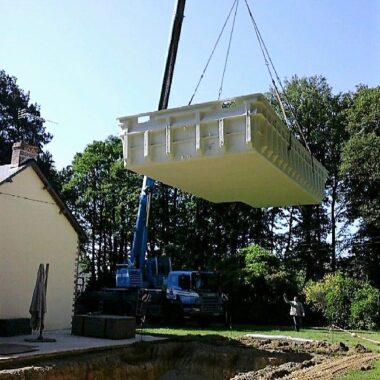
x,y
315,347
328,361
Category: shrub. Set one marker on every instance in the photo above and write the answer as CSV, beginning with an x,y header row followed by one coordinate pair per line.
x,y
344,301
364,307
259,263
265,280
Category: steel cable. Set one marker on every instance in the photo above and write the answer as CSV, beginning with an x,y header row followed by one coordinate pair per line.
x,y
212,52
269,63
228,50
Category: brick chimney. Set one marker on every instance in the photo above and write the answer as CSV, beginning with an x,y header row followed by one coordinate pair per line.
x,y
22,152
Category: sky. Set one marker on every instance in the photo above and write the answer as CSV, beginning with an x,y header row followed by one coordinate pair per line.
x,y
88,62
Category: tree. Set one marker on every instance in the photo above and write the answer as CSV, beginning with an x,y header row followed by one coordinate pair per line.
x,y
197,233
266,279
20,120
360,168
103,196
360,164
320,115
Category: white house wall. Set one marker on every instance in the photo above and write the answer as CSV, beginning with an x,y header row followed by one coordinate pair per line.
x,y
32,231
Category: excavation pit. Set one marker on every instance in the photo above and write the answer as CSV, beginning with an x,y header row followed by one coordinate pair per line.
x,y
189,358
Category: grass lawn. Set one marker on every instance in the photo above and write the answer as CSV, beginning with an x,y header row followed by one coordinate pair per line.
x,y
373,374
309,332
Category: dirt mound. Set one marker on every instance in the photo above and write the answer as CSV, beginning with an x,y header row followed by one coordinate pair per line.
x,y
316,347
361,349
279,372
329,360
331,368
318,368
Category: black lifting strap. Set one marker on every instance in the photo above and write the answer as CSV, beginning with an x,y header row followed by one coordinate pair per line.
x,y
270,66
228,51
234,5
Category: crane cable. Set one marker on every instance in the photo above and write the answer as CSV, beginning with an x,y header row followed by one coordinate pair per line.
x,y
270,66
269,63
213,50
228,51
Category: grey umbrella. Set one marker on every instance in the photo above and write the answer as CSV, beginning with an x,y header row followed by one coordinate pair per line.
x,y
37,308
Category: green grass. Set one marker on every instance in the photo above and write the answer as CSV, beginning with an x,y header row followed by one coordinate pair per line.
x,y
240,330
373,374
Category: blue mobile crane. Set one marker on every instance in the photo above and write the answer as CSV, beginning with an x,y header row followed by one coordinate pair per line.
x,y
179,293
149,287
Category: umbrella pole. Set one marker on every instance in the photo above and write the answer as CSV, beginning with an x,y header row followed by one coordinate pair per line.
x,y
40,337
42,326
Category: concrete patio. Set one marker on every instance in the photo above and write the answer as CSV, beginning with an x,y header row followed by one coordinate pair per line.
x,y
66,344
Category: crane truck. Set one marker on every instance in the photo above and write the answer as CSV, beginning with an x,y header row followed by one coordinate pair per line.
x,y
148,286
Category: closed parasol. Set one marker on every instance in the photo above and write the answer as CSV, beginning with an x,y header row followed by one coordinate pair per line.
x,y
38,308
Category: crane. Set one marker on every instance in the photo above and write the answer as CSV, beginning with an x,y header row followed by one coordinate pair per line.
x,y
130,272
186,293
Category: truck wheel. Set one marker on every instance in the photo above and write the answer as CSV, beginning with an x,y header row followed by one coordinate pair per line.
x,y
174,314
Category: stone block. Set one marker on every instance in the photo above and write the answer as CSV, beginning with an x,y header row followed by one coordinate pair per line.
x,y
94,326
15,326
77,325
120,327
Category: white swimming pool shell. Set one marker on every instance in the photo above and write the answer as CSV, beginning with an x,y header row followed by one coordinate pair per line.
x,y
224,151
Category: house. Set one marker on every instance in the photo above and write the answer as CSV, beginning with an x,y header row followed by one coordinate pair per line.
x,y
35,227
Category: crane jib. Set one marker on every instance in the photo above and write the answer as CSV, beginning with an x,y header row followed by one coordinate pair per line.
x,y
140,239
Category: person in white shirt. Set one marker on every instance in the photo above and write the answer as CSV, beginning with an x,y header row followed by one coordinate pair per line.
x,y
296,311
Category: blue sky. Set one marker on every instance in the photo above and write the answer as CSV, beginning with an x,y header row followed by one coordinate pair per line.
x,y
87,62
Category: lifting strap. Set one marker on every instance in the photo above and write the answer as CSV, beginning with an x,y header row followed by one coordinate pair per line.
x,y
270,66
228,51
271,70
213,50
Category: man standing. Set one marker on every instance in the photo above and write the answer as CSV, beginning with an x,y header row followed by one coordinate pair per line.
x,y
296,311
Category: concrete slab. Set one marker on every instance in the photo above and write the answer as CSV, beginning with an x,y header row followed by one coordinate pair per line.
x,y
235,150
279,337
65,343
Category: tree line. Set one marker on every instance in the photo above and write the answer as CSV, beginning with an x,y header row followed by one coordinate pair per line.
x,y
340,234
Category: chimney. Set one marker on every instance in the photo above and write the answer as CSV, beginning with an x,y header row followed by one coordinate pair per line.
x,y
22,152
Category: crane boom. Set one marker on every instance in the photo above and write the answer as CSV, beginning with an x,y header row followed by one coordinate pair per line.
x,y
140,239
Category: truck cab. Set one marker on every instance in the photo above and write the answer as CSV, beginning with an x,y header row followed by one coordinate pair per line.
x,y
196,292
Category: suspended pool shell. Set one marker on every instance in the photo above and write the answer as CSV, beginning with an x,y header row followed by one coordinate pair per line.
x,y
235,150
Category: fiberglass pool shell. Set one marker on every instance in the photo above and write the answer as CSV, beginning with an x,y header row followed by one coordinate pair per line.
x,y
235,150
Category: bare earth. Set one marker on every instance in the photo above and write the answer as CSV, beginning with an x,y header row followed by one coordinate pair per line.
x,y
330,368
329,361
